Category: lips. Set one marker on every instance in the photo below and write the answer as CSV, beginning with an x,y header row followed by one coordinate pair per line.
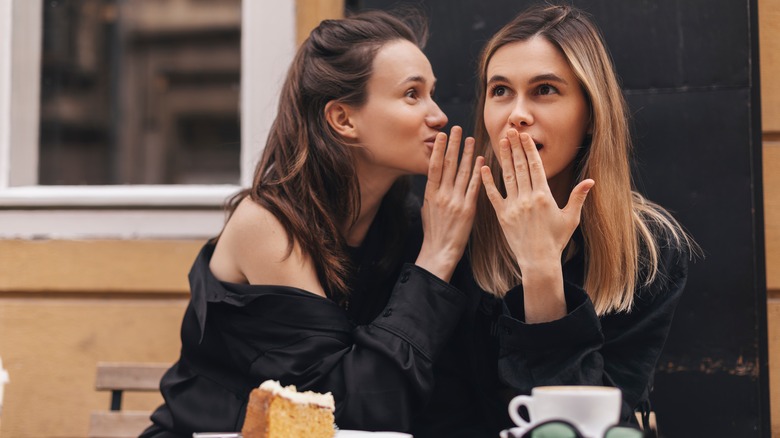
x,y
430,141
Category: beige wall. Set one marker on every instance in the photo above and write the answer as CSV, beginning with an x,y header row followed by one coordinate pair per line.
x,y
769,42
309,13
772,237
50,347
66,305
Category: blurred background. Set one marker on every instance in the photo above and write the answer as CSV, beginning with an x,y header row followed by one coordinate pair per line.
x,y
125,124
140,92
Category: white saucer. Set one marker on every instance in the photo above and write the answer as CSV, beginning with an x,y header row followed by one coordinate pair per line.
x,y
341,433
517,431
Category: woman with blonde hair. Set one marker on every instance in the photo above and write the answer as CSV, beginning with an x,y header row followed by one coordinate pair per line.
x,y
575,275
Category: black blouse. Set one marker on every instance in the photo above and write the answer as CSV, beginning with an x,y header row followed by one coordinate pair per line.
x,y
376,357
494,354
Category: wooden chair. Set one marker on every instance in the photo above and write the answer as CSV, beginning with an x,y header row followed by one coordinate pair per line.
x,y
117,378
652,423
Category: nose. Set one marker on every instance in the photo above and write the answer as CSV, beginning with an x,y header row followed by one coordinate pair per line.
x,y
436,118
521,115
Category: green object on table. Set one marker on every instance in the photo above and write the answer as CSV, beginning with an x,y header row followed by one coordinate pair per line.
x,y
564,429
623,432
554,430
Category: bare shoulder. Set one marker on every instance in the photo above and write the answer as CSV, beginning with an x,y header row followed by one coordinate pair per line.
x,y
253,249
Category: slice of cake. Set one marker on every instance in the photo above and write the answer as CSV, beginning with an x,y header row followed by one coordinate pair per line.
x,y
275,411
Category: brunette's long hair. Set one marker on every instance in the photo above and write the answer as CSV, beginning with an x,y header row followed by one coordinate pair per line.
x,y
623,232
307,177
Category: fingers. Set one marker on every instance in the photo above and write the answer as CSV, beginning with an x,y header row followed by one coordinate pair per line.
x,y
490,187
535,166
577,198
520,162
451,156
444,162
465,173
507,168
436,162
473,188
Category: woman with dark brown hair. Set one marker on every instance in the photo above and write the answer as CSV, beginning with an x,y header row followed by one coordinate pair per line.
x,y
326,276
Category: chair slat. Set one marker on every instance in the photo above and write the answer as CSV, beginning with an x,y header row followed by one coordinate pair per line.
x,y
129,376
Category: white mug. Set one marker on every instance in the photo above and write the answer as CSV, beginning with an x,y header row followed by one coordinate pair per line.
x,y
592,409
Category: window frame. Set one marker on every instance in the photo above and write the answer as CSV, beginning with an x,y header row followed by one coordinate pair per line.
x,y
267,47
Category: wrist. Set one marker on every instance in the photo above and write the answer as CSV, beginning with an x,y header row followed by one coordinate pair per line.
x,y
544,297
438,263
536,257
543,270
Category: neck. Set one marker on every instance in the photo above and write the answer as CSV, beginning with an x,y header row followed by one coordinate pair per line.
x,y
561,185
372,190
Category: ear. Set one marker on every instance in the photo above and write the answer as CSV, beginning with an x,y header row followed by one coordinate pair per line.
x,y
339,118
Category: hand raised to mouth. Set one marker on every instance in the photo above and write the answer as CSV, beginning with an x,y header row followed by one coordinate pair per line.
x,y
535,228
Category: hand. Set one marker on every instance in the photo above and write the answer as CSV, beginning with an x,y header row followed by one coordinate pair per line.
x,y
449,205
536,229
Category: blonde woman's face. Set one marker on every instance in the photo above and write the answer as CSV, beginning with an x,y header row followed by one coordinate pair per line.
x,y
530,87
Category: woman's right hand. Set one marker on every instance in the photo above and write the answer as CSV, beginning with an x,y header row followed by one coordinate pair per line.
x,y
450,203
535,227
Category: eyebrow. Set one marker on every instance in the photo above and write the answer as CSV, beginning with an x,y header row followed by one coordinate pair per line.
x,y
547,77
551,77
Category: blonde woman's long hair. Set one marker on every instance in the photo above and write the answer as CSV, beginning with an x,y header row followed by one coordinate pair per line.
x,y
623,232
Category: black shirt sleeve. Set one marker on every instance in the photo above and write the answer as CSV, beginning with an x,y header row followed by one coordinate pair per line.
x,y
583,349
383,376
234,337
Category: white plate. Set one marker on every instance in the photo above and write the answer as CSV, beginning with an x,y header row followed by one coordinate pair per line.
x,y
341,433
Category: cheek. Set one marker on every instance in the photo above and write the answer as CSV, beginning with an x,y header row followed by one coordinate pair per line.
x,y
583,116
493,125
492,115
577,123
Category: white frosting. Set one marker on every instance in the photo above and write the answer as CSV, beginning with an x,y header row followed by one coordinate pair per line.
x,y
290,393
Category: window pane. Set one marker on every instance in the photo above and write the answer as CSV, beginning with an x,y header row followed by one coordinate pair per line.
x,y
140,92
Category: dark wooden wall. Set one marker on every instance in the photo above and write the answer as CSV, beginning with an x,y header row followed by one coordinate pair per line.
x,y
689,69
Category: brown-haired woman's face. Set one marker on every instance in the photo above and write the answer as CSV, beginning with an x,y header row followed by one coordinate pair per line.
x,y
530,87
397,124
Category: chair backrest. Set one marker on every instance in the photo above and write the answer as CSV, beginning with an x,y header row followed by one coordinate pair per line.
x,y
118,377
652,424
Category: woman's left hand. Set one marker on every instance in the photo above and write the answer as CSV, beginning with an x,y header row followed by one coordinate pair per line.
x,y
450,203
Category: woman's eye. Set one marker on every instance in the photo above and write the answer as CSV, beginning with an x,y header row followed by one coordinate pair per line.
x,y
546,89
498,91
411,94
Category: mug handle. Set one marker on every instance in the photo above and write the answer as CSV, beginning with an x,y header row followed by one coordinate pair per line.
x,y
520,400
